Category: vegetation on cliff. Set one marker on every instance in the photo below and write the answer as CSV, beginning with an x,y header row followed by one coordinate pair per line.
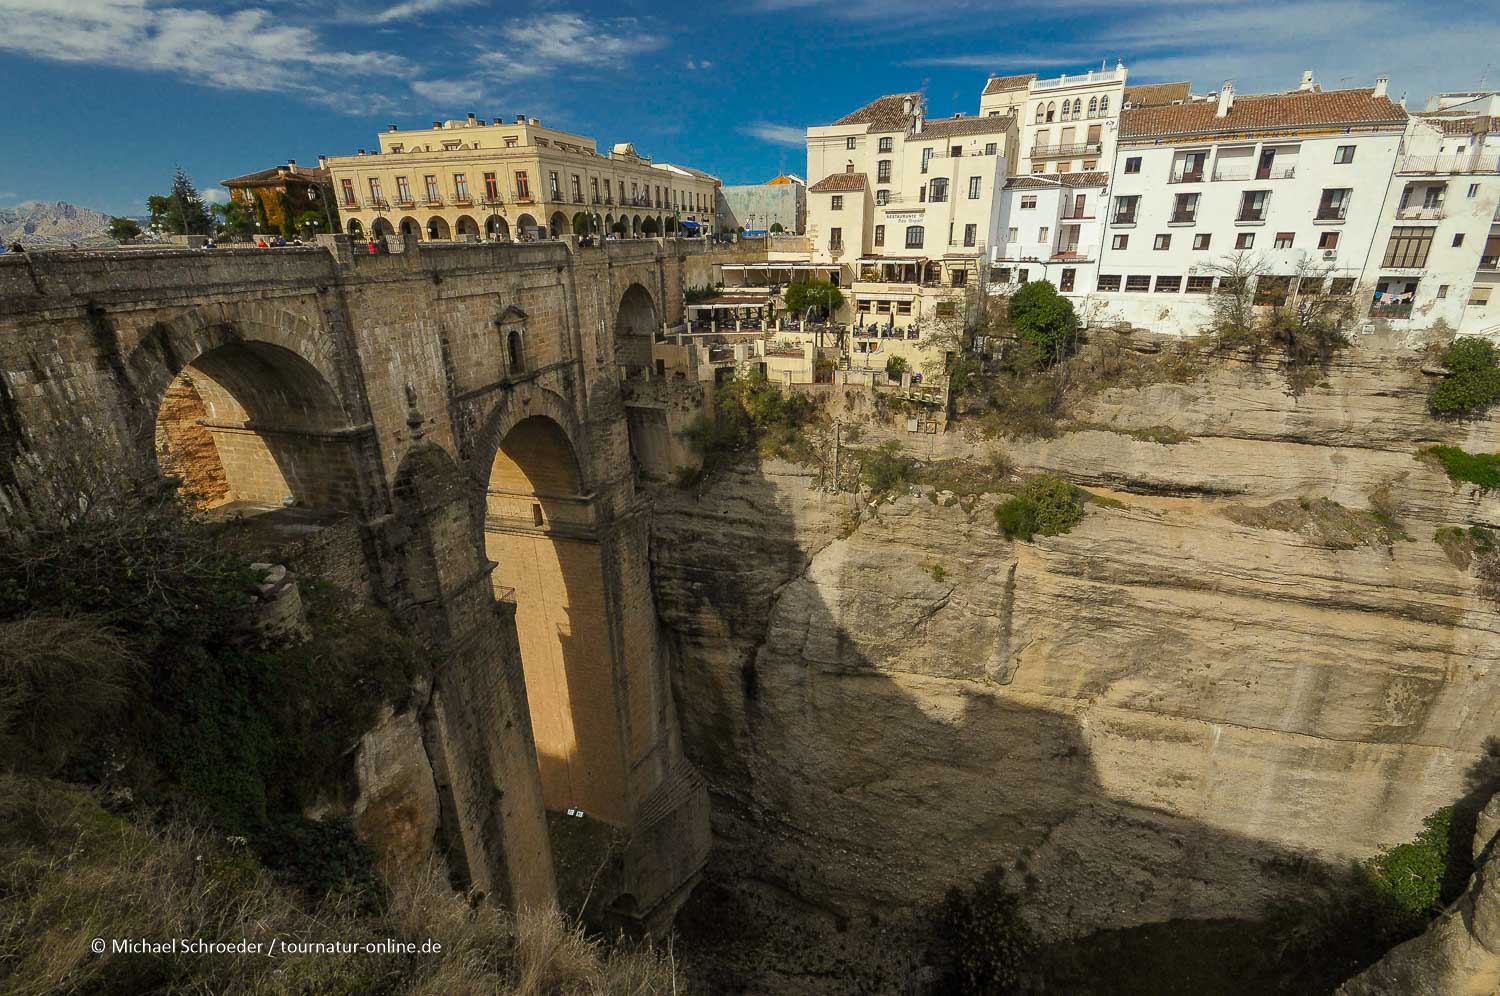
x,y
751,419
1481,469
1473,382
1046,504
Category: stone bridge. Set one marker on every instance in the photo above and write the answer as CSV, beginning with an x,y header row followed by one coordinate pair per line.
x,y
458,410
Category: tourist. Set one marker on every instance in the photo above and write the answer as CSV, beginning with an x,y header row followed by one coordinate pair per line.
x,y
373,249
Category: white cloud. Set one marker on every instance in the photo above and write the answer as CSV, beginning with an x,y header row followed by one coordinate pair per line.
x,y
699,64
214,195
561,41
448,91
417,8
246,49
775,133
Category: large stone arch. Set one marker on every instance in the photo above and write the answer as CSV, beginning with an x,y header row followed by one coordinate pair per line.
x,y
410,229
525,400
557,225
496,229
637,320
438,229
465,225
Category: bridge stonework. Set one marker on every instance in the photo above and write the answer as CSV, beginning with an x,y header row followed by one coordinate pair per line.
x,y
448,400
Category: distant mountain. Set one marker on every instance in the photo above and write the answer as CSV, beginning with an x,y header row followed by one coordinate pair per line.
x,y
54,223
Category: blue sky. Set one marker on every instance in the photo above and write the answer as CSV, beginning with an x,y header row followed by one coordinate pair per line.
x,y
103,97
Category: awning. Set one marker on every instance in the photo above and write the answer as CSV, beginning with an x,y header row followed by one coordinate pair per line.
x,y
691,226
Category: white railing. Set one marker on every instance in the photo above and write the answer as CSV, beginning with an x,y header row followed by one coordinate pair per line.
x,y
1108,76
1469,162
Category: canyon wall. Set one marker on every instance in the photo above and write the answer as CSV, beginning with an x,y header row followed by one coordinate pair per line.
x,y
1157,715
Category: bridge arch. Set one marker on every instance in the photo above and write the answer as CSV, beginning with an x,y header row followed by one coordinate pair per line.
x,y
637,321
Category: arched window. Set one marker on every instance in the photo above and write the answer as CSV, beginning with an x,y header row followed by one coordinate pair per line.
x,y
1077,107
1104,106
1093,107
1051,110
517,348
1065,112
1041,113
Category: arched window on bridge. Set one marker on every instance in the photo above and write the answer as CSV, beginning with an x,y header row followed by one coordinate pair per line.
x,y
512,326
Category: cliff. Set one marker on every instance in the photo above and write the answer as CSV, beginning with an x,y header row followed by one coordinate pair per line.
x,y
1159,715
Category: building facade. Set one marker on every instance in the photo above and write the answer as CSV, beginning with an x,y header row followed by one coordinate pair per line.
x,y
1067,124
513,181
1294,181
278,197
1053,229
762,207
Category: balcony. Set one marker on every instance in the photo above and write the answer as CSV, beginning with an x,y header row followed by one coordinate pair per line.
x,y
1063,151
1489,262
1073,251
1401,310
524,197
1186,176
491,200
1183,217
1123,218
378,204
577,198
1467,162
434,200
462,200
1420,213
1275,173
1251,217
1331,214
1070,214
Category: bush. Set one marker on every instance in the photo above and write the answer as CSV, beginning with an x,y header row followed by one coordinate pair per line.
x,y
1482,469
1414,879
1044,320
886,470
751,417
1473,384
894,368
1046,504
982,945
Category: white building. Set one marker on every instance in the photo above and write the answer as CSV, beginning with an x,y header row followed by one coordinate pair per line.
x,y
1296,179
1053,229
908,208
1436,255
1068,123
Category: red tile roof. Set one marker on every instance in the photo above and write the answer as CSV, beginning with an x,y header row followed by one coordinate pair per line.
x,y
837,182
1154,94
886,113
277,175
1264,112
1093,178
955,126
1465,126
1000,84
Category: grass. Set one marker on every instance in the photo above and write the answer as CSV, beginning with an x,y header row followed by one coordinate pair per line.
x,y
1323,521
1462,545
70,871
1480,469
1165,435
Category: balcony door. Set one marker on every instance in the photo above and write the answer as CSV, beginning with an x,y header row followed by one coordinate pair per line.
x,y
1267,159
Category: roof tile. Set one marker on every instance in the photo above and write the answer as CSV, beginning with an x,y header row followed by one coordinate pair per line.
x,y
1093,178
1000,84
836,182
1263,112
886,113
1156,94
955,126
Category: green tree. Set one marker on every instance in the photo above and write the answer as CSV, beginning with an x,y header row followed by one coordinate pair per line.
x,y
981,943
123,229
1044,320
1473,381
777,229
816,296
1048,505
895,367
181,211
234,219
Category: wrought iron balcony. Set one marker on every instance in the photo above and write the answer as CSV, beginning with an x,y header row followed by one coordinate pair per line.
x,y
1186,176
1072,149
1420,213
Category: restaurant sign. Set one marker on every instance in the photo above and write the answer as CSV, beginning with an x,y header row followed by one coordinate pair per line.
x,y
903,217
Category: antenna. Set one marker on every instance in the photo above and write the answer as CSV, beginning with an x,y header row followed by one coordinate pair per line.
x,y
1484,75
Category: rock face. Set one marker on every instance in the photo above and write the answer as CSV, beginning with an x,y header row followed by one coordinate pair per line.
x,y
54,223
1459,955
397,807
1151,717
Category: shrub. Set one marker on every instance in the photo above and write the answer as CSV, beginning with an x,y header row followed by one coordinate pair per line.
x,y
1482,469
1411,878
1044,320
751,417
895,367
886,469
1473,384
1046,504
982,945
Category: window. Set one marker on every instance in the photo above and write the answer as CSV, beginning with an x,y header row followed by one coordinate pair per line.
x,y
1067,112
1253,205
553,185
1201,240
836,202
510,142
849,142
913,236
375,194
883,171
1162,242
1458,240
1132,164
1341,286
864,305
959,277
1042,233
1011,234
1244,240
885,144
956,151
1038,167
974,184
1283,240
1065,284
1442,291
882,197
1272,290
1408,247
577,189
403,190
1125,209
1138,284
849,166
971,232
1185,209
523,188
1344,154
1109,281
1473,190
432,189
1040,113
1028,201
1168,285
1077,107
594,189
1334,204
1120,242
903,307
1479,296
1093,107
1104,105
1200,285
835,238
516,346
1328,240
348,188
926,158
492,188
990,149
461,186
1052,110
939,190
880,235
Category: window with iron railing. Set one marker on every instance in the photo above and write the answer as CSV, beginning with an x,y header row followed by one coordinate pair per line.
x,y
403,191
1253,205
433,196
1334,204
348,189
460,187
1125,207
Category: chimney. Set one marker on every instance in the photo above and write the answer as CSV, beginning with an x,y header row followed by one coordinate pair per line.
x,y
520,119
1381,82
437,124
471,118
390,127
534,122
1226,100
361,151
322,161
906,106
291,164
1307,80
